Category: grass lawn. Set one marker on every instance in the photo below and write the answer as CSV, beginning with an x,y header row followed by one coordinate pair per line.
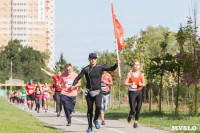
x,y
162,121
14,120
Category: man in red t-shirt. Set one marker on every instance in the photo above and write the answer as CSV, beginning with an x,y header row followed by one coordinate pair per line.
x,y
57,90
30,89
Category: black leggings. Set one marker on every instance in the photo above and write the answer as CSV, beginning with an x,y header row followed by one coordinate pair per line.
x,y
135,96
90,102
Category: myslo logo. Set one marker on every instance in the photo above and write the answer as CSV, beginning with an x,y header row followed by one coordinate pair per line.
x,y
189,128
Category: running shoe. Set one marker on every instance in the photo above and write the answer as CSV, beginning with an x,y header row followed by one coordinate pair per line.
x,y
103,123
58,114
89,129
129,118
38,111
28,109
96,123
31,110
135,125
69,124
35,109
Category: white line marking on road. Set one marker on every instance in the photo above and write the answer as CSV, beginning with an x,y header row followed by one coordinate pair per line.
x,y
115,130
79,120
87,122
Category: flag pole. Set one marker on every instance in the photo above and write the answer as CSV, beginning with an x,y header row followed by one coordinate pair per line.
x,y
118,58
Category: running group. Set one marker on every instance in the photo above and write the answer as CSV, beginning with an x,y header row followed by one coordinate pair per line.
x,y
97,91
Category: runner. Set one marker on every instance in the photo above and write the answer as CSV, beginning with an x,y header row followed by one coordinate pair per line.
x,y
135,81
30,94
57,90
38,96
68,93
93,74
23,91
46,96
106,81
11,96
15,97
52,87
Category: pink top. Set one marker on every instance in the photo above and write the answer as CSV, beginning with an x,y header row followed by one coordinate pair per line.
x,y
104,86
66,82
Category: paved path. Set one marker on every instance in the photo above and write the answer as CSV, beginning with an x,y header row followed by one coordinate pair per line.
x,y
79,124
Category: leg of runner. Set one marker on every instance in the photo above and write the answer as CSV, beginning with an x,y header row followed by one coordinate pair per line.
x,y
68,105
90,102
45,104
54,98
138,107
58,103
132,97
98,100
104,105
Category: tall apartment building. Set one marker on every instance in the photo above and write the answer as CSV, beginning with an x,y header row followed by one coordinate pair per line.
x,y
31,21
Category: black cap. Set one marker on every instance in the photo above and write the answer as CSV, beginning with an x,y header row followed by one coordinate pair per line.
x,y
92,55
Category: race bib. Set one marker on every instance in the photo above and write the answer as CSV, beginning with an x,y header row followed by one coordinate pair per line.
x,y
48,96
103,86
30,91
46,93
133,88
23,94
68,83
38,92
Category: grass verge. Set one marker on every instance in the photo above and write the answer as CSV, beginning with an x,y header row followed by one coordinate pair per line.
x,y
14,120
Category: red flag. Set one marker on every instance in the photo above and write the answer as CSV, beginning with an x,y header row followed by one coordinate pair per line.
x,y
119,32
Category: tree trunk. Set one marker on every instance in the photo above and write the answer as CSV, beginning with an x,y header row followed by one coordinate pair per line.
x,y
150,95
167,99
172,97
145,91
176,112
160,94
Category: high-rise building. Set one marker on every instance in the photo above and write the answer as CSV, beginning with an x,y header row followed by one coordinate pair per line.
x,y
31,22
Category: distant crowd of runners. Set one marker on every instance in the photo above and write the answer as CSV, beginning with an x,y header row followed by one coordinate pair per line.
x,y
64,91
31,93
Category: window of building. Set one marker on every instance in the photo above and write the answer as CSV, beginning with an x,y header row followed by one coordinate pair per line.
x,y
35,17
35,41
29,4
4,41
4,22
4,5
36,29
30,11
35,11
35,35
4,10
4,17
29,16
4,35
35,5
30,41
35,23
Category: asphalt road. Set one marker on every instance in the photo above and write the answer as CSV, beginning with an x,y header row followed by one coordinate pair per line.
x,y
79,124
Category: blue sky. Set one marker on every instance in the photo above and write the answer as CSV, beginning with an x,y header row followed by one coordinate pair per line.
x,y
84,26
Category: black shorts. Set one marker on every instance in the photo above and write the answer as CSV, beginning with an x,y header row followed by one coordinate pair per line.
x,y
30,98
54,97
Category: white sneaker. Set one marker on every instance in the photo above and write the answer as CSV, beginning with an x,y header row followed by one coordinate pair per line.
x,y
28,109
31,110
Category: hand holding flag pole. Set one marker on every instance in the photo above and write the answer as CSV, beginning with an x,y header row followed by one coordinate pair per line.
x,y
119,33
